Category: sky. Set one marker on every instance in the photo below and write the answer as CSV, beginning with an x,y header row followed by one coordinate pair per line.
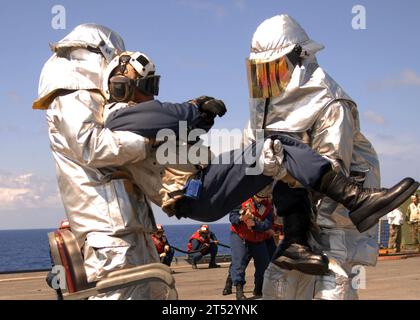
x,y
199,47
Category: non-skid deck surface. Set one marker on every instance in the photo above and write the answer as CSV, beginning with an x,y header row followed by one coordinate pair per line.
x,y
390,279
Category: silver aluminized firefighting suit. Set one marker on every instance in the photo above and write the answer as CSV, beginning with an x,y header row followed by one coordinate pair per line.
x,y
314,109
111,222
340,240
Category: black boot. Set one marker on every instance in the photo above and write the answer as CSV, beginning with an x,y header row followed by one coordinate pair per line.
x,y
366,205
301,258
193,263
258,290
294,253
228,286
240,292
213,264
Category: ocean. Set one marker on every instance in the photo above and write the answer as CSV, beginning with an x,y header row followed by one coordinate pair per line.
x,y
25,250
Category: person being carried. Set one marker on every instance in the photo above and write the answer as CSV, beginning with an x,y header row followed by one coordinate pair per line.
x,y
207,192
201,243
166,252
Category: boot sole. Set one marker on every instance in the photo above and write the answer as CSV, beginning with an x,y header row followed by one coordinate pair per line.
x,y
373,219
312,267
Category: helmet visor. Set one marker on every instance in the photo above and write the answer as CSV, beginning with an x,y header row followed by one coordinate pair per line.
x,y
148,85
119,87
268,79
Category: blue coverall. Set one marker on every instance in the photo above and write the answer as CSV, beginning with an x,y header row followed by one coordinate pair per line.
x,y
196,245
169,256
241,250
224,186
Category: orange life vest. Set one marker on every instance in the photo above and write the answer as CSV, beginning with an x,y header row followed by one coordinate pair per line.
x,y
261,213
196,235
159,243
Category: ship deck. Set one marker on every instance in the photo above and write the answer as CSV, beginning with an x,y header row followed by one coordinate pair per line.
x,y
394,278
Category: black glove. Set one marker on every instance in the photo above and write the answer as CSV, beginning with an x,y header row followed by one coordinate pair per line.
x,y
213,107
210,106
200,100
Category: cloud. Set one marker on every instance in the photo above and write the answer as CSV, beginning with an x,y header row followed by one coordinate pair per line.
x,y
402,147
399,157
405,78
374,117
205,5
240,4
14,97
27,190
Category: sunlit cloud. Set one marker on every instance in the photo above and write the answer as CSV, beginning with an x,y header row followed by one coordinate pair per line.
x,y
14,97
374,117
402,146
27,190
405,78
399,156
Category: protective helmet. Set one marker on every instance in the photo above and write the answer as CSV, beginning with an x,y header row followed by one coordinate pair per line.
x,y
93,37
120,85
278,36
159,228
204,228
277,47
78,63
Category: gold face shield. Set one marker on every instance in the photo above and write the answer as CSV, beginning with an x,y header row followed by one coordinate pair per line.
x,y
268,79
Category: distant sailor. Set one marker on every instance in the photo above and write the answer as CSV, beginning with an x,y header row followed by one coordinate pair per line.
x,y
395,221
251,236
166,252
413,215
201,243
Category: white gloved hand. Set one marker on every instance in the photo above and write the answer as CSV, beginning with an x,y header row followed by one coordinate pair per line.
x,y
271,159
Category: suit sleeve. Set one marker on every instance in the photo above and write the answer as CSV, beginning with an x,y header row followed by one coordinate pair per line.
x,y
148,118
333,134
235,216
79,132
